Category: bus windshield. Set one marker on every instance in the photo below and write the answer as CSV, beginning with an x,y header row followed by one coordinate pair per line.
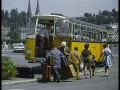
x,y
31,26
62,28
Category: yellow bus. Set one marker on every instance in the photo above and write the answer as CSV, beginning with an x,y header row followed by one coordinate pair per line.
x,y
74,32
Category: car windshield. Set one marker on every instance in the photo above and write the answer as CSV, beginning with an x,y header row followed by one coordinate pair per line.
x,y
19,45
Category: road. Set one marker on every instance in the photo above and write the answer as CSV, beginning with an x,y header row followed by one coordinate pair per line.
x,y
99,82
18,58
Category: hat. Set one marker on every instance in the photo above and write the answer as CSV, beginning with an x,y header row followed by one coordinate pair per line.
x,y
63,44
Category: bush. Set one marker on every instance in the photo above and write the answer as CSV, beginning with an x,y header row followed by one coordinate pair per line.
x,y
8,65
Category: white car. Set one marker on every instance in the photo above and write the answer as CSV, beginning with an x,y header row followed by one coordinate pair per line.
x,y
18,47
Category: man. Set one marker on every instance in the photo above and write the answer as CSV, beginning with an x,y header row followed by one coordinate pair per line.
x,y
73,57
44,39
64,49
57,66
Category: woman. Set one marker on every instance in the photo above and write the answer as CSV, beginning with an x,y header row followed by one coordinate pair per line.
x,y
87,59
107,59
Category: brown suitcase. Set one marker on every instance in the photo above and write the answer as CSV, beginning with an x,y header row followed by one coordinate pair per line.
x,y
46,72
68,72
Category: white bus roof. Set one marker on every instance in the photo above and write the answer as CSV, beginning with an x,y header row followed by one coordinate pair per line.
x,y
50,17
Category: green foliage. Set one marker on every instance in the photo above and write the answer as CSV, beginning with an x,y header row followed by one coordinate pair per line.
x,y
14,35
15,20
105,17
3,40
8,65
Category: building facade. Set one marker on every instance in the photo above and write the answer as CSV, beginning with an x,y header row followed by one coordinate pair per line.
x,y
5,31
22,32
113,32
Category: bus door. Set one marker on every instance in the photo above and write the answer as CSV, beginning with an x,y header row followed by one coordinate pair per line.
x,y
42,23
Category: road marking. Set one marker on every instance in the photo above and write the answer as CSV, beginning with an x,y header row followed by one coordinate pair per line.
x,y
18,82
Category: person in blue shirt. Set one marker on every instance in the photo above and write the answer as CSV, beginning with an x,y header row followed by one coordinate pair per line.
x,y
57,65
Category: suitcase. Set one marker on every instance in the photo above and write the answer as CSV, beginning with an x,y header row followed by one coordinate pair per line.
x,y
25,72
71,71
64,61
47,72
68,72
51,60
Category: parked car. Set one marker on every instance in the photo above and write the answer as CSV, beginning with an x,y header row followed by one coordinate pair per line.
x,y
18,47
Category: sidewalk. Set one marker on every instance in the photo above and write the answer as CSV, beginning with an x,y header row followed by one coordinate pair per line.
x,y
17,81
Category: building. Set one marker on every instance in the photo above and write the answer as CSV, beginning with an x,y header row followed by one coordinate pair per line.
x,y
22,32
5,31
113,33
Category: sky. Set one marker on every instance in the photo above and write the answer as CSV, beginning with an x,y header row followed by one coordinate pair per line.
x,y
70,8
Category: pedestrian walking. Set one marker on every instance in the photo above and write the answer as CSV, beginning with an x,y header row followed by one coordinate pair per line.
x,y
57,65
87,60
73,57
93,65
107,62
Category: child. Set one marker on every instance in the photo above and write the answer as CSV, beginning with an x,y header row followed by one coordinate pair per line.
x,y
93,63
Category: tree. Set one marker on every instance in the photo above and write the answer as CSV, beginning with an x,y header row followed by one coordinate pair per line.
x,y
6,15
86,15
14,19
22,19
13,35
114,13
3,14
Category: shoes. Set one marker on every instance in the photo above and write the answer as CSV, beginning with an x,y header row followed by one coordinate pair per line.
x,y
78,78
54,80
58,80
106,75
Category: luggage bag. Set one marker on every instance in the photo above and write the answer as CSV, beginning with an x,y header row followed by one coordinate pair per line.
x,y
25,72
68,72
47,72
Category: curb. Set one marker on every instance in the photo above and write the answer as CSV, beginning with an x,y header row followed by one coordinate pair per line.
x,y
18,82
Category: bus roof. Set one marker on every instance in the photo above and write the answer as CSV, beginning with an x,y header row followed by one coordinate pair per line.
x,y
49,17
89,24
52,17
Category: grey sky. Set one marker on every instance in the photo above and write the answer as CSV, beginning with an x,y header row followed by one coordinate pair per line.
x,y
71,8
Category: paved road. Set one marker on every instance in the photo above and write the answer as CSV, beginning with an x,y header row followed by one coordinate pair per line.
x,y
19,58
99,82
